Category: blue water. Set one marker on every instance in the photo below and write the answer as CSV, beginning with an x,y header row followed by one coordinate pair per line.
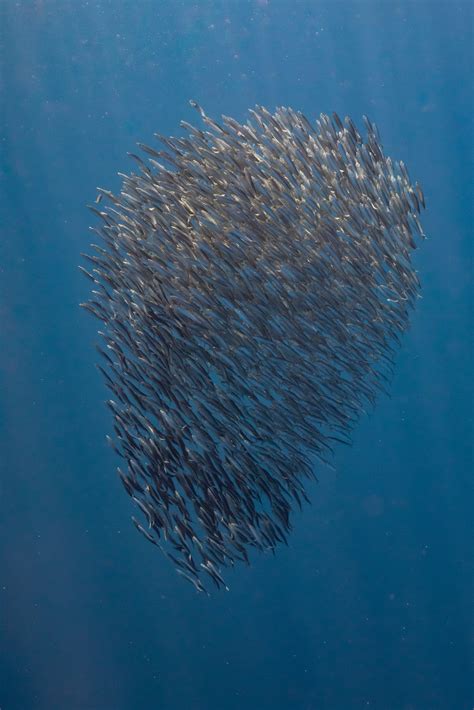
x,y
370,606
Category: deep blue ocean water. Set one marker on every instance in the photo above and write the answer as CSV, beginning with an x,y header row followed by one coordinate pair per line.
x,y
371,605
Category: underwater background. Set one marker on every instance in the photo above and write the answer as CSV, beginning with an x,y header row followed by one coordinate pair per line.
x,y
371,604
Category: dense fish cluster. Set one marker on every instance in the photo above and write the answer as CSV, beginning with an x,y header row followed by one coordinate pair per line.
x,y
253,280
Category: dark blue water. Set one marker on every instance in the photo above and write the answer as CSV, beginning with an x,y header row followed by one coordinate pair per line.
x,y
371,604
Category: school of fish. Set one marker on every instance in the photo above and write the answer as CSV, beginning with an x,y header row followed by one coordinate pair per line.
x,y
253,281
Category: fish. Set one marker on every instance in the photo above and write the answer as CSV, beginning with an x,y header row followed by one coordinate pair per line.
x,y
254,281
144,532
